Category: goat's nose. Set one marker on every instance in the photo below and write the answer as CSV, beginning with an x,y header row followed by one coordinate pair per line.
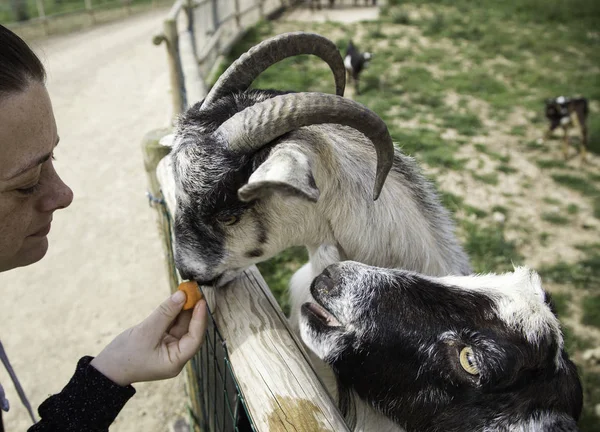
x,y
326,285
185,274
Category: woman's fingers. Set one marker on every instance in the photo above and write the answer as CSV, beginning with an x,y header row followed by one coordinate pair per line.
x,y
190,342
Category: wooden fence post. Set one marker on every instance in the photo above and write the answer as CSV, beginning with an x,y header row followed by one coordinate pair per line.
x,y
189,12
238,20
42,15
171,38
216,24
261,9
90,11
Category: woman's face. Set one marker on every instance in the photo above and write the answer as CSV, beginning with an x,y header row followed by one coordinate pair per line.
x,y
30,189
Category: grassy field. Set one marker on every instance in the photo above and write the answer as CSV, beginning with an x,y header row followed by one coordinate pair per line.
x,y
461,86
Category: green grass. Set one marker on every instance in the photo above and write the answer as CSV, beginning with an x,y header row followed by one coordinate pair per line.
x,y
400,17
374,32
278,271
576,183
591,392
506,169
591,311
488,248
464,123
500,209
574,343
572,209
550,163
555,218
428,147
518,130
534,145
584,273
561,303
491,178
451,201
552,201
492,154
470,210
477,83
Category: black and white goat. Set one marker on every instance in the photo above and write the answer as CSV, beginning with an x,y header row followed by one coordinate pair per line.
x,y
258,171
355,62
454,354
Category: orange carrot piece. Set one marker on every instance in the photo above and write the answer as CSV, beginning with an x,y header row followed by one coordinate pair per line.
x,y
192,294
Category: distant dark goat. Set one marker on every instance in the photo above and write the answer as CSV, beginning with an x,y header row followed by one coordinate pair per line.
x,y
355,62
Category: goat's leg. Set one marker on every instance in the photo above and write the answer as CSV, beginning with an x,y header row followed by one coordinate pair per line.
x,y
583,129
565,142
550,130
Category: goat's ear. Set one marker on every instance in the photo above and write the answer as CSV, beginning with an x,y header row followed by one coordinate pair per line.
x,y
286,171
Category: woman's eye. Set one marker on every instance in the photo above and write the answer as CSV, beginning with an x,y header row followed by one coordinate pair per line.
x,y
29,190
229,220
467,361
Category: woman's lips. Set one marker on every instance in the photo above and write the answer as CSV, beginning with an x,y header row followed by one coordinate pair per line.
x,y
42,232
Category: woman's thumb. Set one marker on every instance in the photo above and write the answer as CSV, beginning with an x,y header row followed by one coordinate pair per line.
x,y
166,312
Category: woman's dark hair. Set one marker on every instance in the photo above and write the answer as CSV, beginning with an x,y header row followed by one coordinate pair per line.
x,y
18,63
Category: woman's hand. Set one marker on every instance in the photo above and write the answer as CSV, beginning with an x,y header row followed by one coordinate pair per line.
x,y
158,347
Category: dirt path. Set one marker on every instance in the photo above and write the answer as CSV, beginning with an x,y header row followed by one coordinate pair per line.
x,y
104,270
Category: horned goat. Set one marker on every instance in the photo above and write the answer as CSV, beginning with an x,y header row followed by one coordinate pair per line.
x,y
455,354
258,171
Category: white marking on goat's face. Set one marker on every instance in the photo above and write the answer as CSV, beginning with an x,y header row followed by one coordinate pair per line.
x,y
520,301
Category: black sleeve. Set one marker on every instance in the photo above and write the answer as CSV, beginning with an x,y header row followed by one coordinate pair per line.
x,y
89,402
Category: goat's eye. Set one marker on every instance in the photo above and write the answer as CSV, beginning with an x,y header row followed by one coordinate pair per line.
x,y
467,361
229,220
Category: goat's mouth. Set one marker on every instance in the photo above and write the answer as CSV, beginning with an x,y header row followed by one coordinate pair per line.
x,y
220,280
316,312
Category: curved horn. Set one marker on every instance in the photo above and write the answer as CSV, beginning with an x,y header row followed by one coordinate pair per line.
x,y
252,128
250,65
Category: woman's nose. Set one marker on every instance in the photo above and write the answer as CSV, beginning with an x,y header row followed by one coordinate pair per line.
x,y
58,195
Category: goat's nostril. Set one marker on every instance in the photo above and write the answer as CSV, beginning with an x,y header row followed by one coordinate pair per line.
x,y
324,283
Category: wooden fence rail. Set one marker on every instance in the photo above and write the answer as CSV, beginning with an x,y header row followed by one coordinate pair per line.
x,y
50,18
279,386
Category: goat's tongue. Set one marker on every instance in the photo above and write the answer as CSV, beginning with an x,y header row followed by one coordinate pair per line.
x,y
323,314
